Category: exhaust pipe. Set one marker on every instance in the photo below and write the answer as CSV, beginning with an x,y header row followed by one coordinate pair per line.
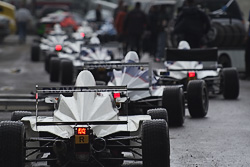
x,y
99,144
60,148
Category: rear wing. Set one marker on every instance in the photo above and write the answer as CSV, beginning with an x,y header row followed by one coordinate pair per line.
x,y
210,54
200,55
113,65
72,89
119,65
110,45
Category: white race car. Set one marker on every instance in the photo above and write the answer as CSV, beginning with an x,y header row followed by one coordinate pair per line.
x,y
66,65
145,92
58,41
171,97
185,64
85,129
52,42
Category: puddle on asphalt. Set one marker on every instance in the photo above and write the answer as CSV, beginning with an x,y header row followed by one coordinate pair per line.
x,y
6,88
15,70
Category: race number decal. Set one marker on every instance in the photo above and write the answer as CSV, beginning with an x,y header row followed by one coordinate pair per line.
x,y
81,139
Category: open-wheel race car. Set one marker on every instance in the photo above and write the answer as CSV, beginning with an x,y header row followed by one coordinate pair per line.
x,y
85,129
171,97
146,92
184,65
66,66
53,41
59,39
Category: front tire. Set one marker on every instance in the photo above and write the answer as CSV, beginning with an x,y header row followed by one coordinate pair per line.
x,y
173,101
158,113
230,83
197,98
18,115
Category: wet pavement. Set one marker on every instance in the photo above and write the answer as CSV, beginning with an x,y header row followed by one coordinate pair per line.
x,y
221,139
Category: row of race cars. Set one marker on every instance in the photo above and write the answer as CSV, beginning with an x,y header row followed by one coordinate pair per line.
x,y
117,110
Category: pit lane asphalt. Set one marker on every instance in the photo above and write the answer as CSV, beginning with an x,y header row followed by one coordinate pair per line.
x,y
221,139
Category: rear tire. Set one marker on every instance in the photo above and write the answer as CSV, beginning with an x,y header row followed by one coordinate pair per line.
x,y
54,69
155,144
197,98
47,61
12,144
67,72
35,52
18,115
230,83
173,102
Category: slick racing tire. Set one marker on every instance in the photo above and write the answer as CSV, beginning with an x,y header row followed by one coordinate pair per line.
x,y
158,113
155,143
197,98
12,144
173,101
54,69
35,52
67,72
47,61
230,83
18,115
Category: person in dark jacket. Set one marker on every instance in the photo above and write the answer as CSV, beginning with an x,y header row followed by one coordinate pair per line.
x,y
121,15
192,24
134,25
153,29
98,13
162,23
247,53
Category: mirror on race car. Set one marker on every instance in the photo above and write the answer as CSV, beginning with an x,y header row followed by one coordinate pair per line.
x,y
51,99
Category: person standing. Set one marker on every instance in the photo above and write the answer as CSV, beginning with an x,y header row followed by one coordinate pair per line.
x,y
162,22
192,24
118,9
23,17
247,53
119,27
134,25
153,29
98,13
